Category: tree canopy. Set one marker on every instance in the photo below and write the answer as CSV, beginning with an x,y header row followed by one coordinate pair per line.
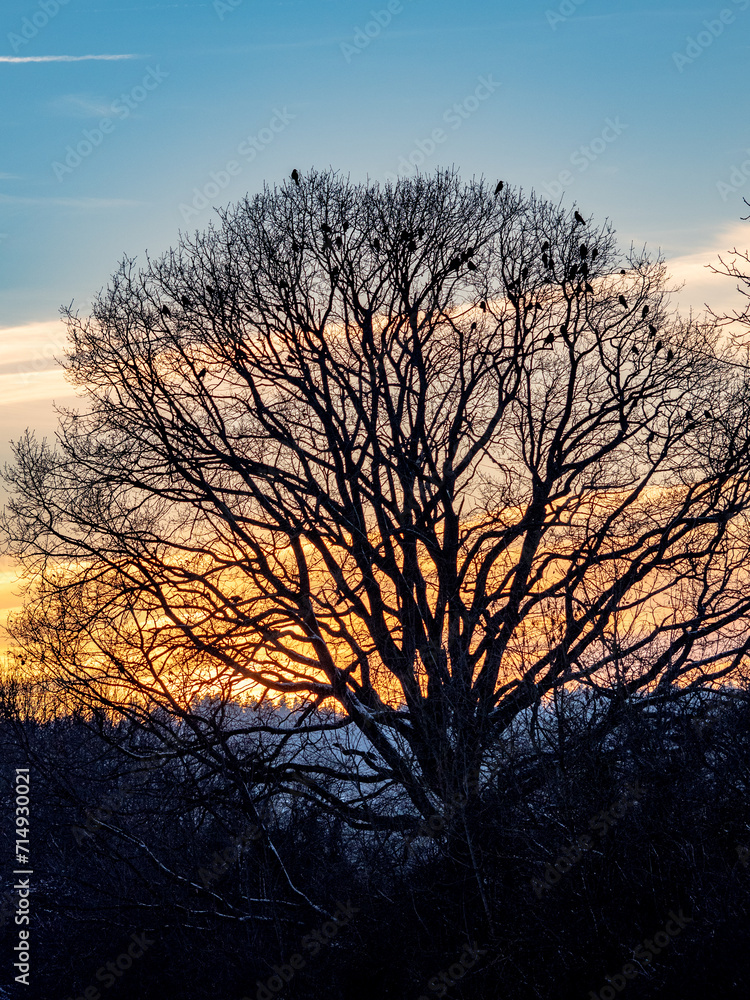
x,y
428,453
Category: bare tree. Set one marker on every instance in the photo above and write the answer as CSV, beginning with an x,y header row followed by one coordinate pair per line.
x,y
424,452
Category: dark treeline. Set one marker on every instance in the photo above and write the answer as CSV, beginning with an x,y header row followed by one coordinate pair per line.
x,y
651,820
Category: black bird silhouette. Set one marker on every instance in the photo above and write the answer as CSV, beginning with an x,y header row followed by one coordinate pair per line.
x,y
473,326
623,271
524,273
707,414
594,253
580,219
406,235
325,228
345,225
202,372
339,242
295,177
623,301
209,290
564,328
550,338
165,311
574,270
545,245
583,250
635,351
471,265
585,269
413,247
545,260
651,436
186,303
651,331
283,283
483,306
420,232
500,186
376,245
670,354
589,289
659,345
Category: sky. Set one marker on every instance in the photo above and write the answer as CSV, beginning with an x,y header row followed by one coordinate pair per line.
x,y
126,121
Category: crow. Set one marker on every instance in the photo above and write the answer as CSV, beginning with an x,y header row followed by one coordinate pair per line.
x,y
670,354
420,232
473,326
564,328
186,303
413,247
689,415
525,273
325,228
623,271
651,331
594,253
644,312
165,311
651,437
550,338
659,345
583,250
483,306
588,289
623,301
580,219
707,414
545,246
209,290
635,351
202,372
339,242
376,245
500,186
295,177
574,271
471,265
345,225
545,260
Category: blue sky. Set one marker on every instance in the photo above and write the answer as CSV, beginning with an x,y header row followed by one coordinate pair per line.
x,y
633,111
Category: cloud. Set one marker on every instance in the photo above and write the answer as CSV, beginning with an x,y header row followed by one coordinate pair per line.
x,y
701,284
82,106
44,59
11,199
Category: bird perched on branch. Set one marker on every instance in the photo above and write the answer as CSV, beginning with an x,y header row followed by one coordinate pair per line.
x,y
623,301
295,177
186,303
202,373
644,312
500,186
579,219
165,311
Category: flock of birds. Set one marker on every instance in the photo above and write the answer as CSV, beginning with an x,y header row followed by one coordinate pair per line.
x,y
580,270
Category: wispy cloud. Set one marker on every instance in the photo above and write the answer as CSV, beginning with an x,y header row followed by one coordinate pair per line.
x,y
10,199
44,59
82,106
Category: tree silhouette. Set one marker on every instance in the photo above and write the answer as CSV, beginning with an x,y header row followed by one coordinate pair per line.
x,y
398,450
